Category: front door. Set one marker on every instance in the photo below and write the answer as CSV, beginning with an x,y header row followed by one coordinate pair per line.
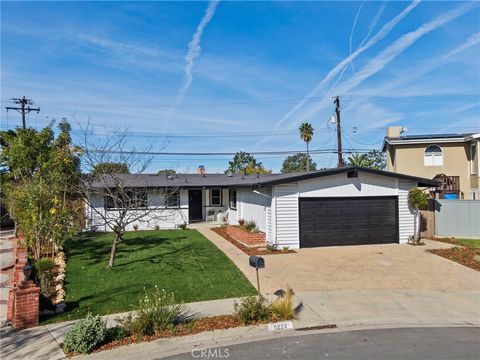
x,y
195,205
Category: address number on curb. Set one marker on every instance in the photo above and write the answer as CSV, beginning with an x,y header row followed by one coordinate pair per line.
x,y
284,325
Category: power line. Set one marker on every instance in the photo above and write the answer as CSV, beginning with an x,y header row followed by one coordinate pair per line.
x,y
279,152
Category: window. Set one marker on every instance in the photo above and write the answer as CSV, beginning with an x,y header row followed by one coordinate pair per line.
x,y
215,197
172,199
126,199
433,156
232,196
473,159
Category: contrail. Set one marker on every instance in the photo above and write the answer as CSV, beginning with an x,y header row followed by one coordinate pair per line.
x,y
384,31
351,34
472,40
391,52
372,25
194,50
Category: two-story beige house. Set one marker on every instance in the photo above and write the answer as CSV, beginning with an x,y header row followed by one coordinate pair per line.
x,y
452,159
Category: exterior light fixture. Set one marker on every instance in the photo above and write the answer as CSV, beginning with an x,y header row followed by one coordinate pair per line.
x,y
27,271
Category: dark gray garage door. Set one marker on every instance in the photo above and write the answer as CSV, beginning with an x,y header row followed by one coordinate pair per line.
x,y
348,221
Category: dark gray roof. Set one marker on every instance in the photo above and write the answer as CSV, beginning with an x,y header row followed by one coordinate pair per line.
x,y
237,180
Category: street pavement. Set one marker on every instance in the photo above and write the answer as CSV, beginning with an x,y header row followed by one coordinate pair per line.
x,y
381,344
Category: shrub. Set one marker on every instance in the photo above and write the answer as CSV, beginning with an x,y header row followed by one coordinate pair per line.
x,y
283,307
135,227
252,309
285,249
182,226
157,227
251,226
241,222
85,335
116,333
157,310
44,268
271,247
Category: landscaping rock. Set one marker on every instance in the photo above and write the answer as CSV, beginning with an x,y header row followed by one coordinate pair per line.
x,y
476,258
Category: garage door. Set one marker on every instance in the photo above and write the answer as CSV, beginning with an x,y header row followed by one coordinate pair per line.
x,y
348,221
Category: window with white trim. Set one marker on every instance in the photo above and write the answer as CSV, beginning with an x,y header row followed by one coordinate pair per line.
x,y
433,156
215,197
473,159
232,196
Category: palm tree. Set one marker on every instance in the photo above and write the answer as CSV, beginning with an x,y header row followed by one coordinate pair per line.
x,y
306,134
360,160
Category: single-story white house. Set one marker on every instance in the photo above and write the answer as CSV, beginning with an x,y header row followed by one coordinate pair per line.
x,y
341,206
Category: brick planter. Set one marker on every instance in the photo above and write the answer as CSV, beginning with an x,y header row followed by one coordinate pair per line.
x,y
246,238
23,296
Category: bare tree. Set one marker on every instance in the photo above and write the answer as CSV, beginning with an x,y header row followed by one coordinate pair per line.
x,y
116,200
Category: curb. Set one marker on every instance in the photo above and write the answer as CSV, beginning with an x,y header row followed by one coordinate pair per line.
x,y
234,336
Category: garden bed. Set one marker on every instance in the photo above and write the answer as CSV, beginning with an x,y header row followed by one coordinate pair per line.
x,y
222,231
461,254
245,237
196,326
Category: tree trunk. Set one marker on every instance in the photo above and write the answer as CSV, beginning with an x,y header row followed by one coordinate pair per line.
x,y
308,158
415,232
115,243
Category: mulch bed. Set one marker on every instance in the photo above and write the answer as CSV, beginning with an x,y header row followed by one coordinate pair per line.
x,y
460,254
194,327
222,231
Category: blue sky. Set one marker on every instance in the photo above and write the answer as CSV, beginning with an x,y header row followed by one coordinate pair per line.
x,y
254,72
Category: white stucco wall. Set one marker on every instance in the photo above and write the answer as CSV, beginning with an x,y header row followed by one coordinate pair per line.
x,y
285,225
161,217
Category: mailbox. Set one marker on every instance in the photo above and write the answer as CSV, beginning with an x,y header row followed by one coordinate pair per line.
x,y
257,262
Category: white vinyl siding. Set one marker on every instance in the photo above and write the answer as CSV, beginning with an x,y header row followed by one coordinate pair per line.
x,y
405,214
286,215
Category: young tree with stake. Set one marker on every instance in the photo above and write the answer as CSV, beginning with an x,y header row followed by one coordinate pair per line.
x,y
417,200
124,201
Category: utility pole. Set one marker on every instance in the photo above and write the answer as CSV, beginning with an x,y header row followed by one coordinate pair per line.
x,y
24,108
339,132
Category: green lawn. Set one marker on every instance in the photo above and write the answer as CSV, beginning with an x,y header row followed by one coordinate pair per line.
x,y
472,243
181,261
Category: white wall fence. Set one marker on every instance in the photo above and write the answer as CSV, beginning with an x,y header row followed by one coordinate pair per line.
x,y
458,218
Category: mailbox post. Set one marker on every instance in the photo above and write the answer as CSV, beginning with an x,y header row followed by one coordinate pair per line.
x,y
258,263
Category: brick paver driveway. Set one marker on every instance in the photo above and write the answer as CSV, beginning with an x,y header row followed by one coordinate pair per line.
x,y
369,267
358,268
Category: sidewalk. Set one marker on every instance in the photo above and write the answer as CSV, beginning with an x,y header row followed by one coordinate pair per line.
x,y
346,309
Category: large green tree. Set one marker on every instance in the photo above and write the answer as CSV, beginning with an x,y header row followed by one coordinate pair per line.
x,y
297,163
40,172
373,159
306,134
244,162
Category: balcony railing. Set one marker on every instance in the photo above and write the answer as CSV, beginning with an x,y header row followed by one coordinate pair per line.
x,y
448,184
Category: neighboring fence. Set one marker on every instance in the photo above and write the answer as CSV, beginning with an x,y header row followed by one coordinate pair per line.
x,y
457,218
